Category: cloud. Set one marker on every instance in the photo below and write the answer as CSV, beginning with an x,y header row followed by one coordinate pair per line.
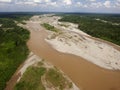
x,y
61,5
26,2
117,4
47,1
37,1
92,0
67,2
79,4
85,6
42,1
96,5
107,4
53,3
5,0
118,0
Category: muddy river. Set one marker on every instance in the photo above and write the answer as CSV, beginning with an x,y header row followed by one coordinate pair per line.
x,y
85,75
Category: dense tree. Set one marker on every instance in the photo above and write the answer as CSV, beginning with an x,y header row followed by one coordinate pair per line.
x,y
96,28
13,49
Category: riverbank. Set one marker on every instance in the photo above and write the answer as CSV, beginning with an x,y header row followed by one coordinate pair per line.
x,y
97,52
86,75
51,78
71,40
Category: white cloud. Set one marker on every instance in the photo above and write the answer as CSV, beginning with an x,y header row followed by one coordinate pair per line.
x,y
27,2
67,2
79,4
96,5
42,1
92,0
117,4
118,0
85,6
47,1
5,0
52,4
107,4
37,1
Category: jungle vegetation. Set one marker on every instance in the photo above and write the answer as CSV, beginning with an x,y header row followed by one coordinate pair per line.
x,y
13,49
100,26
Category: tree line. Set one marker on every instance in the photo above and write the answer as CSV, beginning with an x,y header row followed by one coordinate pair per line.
x,y
13,48
98,29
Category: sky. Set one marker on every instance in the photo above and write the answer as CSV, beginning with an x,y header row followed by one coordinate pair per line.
x,y
94,6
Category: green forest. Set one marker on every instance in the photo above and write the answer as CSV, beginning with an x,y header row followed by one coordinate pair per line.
x,y
96,28
13,48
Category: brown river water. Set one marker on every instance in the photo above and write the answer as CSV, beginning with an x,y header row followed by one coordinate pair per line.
x,y
85,75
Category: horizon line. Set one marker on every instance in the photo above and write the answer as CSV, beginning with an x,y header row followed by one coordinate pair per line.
x,y
59,12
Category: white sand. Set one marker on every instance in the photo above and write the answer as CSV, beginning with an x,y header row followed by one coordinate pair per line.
x,y
104,21
74,41
94,51
72,27
32,59
0,25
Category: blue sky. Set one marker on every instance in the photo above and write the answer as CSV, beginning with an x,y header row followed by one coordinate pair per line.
x,y
99,6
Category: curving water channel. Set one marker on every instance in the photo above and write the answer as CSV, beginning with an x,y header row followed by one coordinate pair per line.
x,y
85,75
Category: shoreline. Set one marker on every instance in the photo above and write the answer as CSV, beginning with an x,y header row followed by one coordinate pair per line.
x,y
33,60
105,62
86,75
73,41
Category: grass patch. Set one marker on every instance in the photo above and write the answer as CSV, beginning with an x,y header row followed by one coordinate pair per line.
x,y
64,25
23,23
40,63
31,79
57,79
50,27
